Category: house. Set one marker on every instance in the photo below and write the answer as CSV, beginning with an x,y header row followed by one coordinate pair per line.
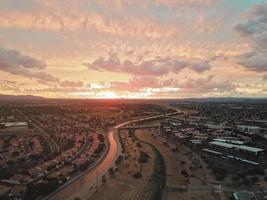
x,y
4,191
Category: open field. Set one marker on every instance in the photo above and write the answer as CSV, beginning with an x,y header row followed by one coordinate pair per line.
x,y
122,185
177,185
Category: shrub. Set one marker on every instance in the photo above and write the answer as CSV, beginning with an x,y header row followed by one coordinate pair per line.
x,y
184,173
219,177
100,137
256,171
137,175
119,160
241,175
235,178
139,145
100,148
254,179
111,171
143,157
246,181
219,172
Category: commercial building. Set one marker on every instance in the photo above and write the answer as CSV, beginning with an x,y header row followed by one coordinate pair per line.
x,y
10,128
249,129
237,147
247,195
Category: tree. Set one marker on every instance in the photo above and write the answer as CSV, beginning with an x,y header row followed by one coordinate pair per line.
x,y
182,162
118,161
104,180
111,171
143,158
246,181
254,179
256,171
235,178
184,173
100,137
137,175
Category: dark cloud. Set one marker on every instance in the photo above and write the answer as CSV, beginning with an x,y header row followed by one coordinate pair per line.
x,y
14,62
153,67
255,61
253,29
12,59
200,66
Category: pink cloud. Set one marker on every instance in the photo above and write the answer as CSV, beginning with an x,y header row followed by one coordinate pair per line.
x,y
139,83
154,67
206,85
62,21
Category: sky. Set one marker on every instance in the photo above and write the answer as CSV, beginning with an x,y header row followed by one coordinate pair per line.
x,y
133,48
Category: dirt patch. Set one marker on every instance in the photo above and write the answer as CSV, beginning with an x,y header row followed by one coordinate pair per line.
x,y
123,185
184,172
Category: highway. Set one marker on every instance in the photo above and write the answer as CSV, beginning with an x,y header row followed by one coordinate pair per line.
x,y
81,186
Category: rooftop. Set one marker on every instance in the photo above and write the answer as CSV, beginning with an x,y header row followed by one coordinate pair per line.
x,y
14,124
242,147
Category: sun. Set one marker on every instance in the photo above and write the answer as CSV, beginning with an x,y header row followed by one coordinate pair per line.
x,y
108,95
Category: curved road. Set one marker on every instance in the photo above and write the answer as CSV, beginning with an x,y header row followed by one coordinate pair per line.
x,y
81,186
155,187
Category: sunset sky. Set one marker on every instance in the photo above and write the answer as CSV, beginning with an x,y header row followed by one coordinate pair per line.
x,y
133,48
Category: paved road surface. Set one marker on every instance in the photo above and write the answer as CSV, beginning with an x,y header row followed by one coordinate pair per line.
x,y
81,187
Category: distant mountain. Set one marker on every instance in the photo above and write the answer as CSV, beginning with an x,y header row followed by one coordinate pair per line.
x,y
222,100
4,97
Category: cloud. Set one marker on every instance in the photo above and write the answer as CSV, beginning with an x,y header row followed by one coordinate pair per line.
x,y
113,17
14,62
56,89
71,84
14,59
172,87
122,4
254,61
200,66
10,86
206,85
153,67
253,29
171,3
136,84
76,20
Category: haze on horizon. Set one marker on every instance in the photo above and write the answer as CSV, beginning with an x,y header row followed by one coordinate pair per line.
x,y
133,49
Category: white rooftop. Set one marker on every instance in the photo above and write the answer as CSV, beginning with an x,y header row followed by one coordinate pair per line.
x,y
242,147
229,141
10,124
